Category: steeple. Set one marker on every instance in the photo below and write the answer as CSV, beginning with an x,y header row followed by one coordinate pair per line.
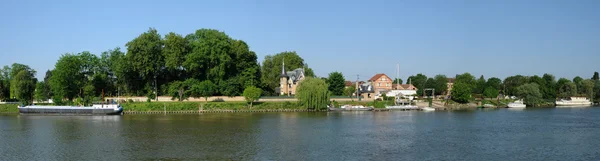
x,y
283,68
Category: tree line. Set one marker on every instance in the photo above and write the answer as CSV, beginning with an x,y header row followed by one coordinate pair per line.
x,y
204,63
533,90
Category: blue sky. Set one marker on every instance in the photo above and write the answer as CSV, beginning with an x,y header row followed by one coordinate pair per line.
x,y
491,37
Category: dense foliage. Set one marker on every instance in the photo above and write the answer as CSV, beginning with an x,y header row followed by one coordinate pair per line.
x,y
252,94
530,93
336,83
461,92
313,93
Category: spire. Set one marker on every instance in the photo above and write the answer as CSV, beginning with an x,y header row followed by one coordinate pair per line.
x,y
283,68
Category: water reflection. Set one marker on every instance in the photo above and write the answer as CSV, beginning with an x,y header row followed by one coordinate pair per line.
x,y
562,134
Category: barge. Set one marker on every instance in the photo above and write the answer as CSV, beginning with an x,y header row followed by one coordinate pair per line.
x,y
96,109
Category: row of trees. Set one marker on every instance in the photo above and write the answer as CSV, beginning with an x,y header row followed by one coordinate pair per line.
x,y
533,90
204,63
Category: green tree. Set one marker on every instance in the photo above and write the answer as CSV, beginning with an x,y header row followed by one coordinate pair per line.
x,y
511,83
441,84
144,54
5,83
430,83
491,92
530,93
397,81
596,91
231,87
461,92
588,87
313,93
41,92
550,87
272,66
14,70
418,81
567,89
595,77
174,51
480,85
336,83
495,83
203,89
24,84
252,94
67,78
348,91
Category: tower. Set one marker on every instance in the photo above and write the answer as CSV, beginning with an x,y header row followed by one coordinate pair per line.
x,y
283,80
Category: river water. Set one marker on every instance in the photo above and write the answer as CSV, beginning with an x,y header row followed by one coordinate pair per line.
x,y
502,134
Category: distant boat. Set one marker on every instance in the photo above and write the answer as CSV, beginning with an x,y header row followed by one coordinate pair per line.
x,y
96,109
516,104
574,102
427,109
402,107
355,108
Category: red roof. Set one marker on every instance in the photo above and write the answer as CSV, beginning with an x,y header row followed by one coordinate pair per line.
x,y
377,76
349,83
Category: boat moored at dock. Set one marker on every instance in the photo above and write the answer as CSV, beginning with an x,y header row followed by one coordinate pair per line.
x,y
96,109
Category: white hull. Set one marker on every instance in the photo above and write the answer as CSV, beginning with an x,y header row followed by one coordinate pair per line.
x,y
428,109
511,105
573,103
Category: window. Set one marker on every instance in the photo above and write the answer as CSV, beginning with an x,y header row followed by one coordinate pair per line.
x,y
378,84
387,84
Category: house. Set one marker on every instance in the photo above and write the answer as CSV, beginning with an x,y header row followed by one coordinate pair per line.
x,y
288,81
449,85
381,83
349,84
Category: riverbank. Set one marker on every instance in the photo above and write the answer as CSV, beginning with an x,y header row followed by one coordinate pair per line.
x,y
9,108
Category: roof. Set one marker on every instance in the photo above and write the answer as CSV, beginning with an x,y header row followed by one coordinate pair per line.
x,y
451,80
349,83
295,74
377,76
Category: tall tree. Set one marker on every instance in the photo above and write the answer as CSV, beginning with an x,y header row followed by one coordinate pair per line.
x,y
418,81
313,93
67,79
336,83
14,70
41,92
495,83
466,79
272,66
481,85
461,92
578,82
441,84
595,77
24,84
430,83
145,56
530,93
567,89
511,83
587,87
550,86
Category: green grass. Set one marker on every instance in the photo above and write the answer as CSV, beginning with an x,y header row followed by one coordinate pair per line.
x,y
9,108
192,106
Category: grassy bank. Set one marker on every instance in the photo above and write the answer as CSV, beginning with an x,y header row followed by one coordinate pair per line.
x,y
190,106
9,108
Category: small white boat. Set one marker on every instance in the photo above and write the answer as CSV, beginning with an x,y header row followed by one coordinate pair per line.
x,y
402,107
356,108
427,109
516,104
574,102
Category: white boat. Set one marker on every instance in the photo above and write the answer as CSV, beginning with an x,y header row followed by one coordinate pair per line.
x,y
516,104
402,107
356,108
427,109
96,109
574,102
